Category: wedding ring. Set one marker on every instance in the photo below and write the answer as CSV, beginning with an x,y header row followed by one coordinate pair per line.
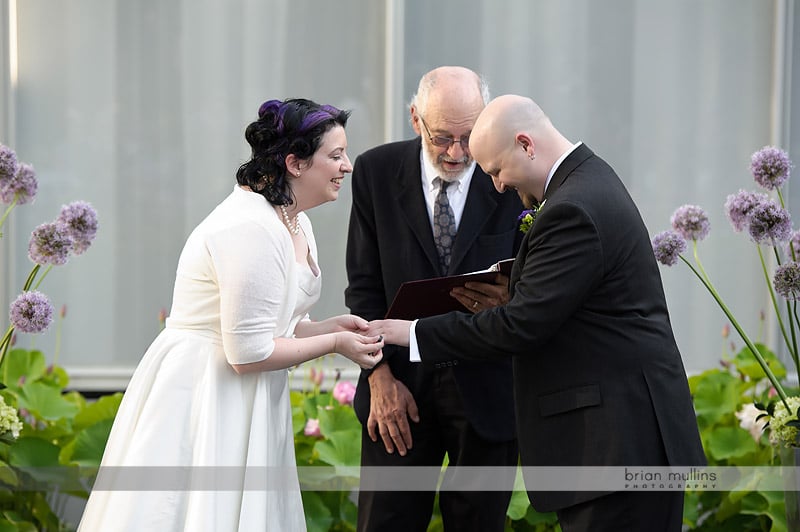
x,y
475,305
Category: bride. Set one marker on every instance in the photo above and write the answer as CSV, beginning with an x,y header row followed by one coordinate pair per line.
x,y
203,439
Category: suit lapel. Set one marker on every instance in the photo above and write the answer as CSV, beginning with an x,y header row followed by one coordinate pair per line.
x,y
567,166
573,160
413,202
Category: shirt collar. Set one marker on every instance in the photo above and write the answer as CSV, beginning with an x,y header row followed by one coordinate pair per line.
x,y
558,163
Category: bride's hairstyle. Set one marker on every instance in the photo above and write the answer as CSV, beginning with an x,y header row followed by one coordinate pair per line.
x,y
293,126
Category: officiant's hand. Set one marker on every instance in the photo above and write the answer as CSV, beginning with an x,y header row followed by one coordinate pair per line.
x,y
391,406
480,296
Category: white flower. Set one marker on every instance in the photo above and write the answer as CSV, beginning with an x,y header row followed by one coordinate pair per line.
x,y
9,421
780,432
747,420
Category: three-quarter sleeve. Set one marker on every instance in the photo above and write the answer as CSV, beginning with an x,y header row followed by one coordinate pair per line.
x,y
253,268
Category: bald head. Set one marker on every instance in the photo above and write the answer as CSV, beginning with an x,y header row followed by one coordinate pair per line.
x,y
505,116
515,142
450,90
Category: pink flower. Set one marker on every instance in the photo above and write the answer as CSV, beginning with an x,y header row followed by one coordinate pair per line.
x,y
312,428
772,392
316,376
344,392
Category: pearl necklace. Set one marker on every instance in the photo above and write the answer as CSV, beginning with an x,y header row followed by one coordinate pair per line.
x,y
292,225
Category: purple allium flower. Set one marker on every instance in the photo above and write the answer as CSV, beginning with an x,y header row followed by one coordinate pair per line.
x,y
739,206
50,244
691,222
31,312
787,280
81,221
667,246
23,185
769,221
8,164
770,167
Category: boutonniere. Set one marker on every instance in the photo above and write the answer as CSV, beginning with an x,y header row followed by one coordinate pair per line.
x,y
527,217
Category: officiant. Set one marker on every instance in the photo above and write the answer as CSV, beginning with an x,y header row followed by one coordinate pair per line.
x,y
422,209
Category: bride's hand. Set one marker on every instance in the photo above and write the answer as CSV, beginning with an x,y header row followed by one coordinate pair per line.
x,y
348,322
363,350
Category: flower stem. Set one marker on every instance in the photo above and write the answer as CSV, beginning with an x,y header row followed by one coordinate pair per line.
x,y
780,198
5,343
31,277
790,345
763,363
8,210
46,271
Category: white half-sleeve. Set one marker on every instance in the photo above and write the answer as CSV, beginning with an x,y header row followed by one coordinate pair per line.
x,y
253,274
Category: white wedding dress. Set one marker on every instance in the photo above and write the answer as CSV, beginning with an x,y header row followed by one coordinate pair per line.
x,y
196,446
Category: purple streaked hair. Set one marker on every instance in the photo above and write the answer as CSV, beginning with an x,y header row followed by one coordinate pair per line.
x,y
293,126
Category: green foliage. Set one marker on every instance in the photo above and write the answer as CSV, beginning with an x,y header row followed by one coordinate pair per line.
x,y
59,448
64,435
718,395
337,451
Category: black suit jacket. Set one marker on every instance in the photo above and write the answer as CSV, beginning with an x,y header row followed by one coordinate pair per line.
x,y
390,241
598,377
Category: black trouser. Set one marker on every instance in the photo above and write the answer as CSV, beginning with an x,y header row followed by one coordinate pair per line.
x,y
443,428
629,511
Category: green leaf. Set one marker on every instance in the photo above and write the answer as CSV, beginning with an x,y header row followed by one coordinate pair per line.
x,y
339,418
340,448
21,362
730,442
717,395
747,364
90,444
298,419
318,515
104,408
39,459
46,402
7,475
16,526
33,452
518,506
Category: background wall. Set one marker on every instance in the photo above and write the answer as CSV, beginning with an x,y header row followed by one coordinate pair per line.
x,y
140,108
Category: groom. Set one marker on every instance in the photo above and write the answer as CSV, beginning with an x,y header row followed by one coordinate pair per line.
x,y
598,378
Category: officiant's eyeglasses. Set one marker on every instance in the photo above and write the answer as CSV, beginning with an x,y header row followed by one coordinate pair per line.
x,y
445,142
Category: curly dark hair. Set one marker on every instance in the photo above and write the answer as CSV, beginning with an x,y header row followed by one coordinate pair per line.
x,y
293,126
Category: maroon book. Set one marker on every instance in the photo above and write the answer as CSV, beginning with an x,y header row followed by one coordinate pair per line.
x,y
429,297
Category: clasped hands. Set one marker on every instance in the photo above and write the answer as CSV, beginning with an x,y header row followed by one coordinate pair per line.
x,y
391,403
474,296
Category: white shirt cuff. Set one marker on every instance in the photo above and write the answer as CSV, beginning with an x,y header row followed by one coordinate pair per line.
x,y
413,349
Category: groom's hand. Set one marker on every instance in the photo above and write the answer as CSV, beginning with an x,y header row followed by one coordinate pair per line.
x,y
391,404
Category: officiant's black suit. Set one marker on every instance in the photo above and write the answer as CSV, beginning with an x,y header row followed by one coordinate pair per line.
x,y
390,241
598,377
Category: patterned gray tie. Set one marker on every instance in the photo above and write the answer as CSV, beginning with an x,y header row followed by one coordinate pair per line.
x,y
444,225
